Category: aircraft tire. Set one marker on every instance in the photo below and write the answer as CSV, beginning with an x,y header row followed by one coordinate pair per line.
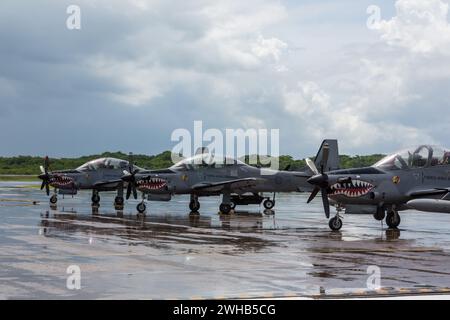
x,y
268,204
194,206
141,207
380,214
335,223
95,198
393,220
225,208
53,199
118,201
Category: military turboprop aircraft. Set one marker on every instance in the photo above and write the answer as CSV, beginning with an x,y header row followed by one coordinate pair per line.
x,y
103,174
237,182
418,178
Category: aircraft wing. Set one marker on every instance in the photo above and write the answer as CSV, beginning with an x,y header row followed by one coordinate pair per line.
x,y
230,184
107,183
428,192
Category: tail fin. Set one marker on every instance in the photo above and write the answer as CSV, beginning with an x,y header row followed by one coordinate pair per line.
x,y
333,156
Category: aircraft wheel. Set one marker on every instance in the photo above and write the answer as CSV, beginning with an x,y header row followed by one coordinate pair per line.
x,y
53,199
141,207
380,214
225,208
268,204
335,223
118,201
194,206
393,220
95,198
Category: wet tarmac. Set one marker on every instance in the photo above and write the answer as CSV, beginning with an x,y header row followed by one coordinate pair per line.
x,y
171,254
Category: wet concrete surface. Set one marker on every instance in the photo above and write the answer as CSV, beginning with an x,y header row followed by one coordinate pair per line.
x,y
171,254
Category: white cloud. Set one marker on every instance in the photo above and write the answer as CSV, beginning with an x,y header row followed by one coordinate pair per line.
x,y
420,26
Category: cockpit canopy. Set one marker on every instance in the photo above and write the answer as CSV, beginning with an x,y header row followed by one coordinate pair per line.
x,y
419,157
205,161
104,163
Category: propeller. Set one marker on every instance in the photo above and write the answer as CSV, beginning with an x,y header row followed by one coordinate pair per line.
x,y
320,179
130,178
45,176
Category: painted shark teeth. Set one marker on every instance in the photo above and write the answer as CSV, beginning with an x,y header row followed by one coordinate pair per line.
x,y
353,189
151,184
60,181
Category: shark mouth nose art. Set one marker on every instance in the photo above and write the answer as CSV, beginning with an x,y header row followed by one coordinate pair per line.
x,y
353,189
151,184
60,181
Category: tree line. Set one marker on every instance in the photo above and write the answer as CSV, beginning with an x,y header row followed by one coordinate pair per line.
x,y
29,165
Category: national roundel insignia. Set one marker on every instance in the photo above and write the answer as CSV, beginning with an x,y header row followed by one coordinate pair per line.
x,y
396,179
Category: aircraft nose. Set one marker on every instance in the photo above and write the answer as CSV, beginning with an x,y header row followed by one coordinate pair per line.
x,y
318,180
42,176
127,177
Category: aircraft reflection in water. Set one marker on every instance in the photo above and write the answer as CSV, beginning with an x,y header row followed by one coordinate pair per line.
x,y
167,228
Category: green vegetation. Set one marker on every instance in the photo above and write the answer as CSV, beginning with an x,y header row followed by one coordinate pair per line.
x,y
28,165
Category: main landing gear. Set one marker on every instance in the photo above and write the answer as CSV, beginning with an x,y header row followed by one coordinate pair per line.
x,y
119,200
194,204
95,198
393,219
226,205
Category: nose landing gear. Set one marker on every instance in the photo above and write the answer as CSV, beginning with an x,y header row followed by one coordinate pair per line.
x,y
335,223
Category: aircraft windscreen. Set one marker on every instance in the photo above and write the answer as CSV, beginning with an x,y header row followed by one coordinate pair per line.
x,y
419,157
205,161
104,163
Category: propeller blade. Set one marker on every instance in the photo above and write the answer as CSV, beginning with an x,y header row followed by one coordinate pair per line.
x,y
47,189
46,164
43,185
42,169
326,203
128,191
134,192
313,194
130,162
325,154
312,166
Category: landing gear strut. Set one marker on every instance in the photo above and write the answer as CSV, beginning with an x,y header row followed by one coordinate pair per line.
x,y
194,204
393,219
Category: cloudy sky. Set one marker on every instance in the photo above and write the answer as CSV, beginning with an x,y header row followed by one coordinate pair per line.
x,y
139,69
